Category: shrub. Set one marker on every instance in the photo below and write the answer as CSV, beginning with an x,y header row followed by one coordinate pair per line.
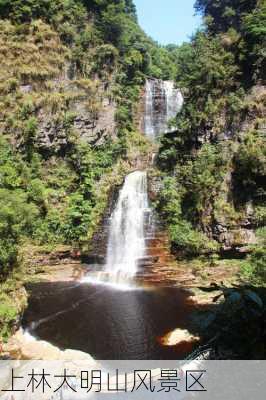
x,y
17,218
184,237
249,169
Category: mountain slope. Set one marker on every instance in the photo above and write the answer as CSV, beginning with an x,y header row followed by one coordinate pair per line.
x,y
214,164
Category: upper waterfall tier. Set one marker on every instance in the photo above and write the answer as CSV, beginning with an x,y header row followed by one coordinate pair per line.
x,y
161,104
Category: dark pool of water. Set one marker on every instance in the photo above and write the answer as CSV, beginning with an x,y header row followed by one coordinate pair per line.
x,y
107,323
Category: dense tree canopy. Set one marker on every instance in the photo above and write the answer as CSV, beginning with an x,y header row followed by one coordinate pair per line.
x,y
217,72
224,14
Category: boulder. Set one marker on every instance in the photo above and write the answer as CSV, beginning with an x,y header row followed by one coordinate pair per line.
x,y
23,346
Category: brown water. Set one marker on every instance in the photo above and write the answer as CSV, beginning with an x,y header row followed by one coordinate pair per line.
x,y
108,323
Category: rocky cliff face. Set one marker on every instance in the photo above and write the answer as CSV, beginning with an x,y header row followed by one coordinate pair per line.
x,y
92,124
92,128
98,244
234,235
237,233
42,84
229,210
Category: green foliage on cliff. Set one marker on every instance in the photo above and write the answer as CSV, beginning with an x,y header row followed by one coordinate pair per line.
x,y
17,213
102,45
250,169
245,21
186,240
188,194
58,195
56,200
220,130
87,24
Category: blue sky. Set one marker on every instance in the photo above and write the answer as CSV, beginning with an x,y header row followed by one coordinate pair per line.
x,y
167,21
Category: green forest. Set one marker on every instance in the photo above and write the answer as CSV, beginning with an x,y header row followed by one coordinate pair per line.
x,y
55,186
221,127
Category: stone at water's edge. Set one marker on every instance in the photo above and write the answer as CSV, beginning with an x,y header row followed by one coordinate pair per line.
x,y
24,347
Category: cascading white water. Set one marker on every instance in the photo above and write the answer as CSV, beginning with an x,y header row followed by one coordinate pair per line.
x,y
126,239
162,102
126,243
149,126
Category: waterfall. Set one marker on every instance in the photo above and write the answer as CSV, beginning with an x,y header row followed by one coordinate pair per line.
x,y
126,243
126,238
162,103
149,125
129,222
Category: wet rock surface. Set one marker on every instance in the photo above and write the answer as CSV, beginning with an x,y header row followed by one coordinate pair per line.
x,y
22,346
